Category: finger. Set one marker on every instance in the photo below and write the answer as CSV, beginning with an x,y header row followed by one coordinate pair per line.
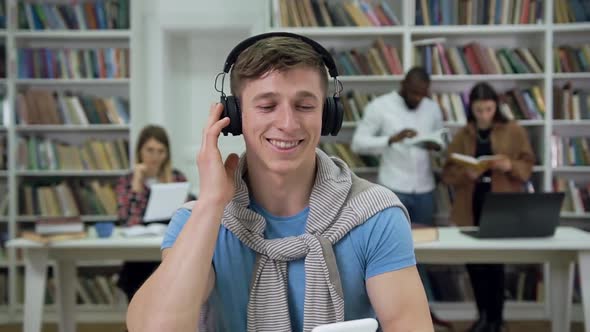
x,y
215,112
212,134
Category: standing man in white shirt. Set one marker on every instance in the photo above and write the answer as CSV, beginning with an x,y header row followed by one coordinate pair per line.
x,y
387,122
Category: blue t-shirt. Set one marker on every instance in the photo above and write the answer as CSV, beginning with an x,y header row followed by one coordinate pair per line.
x,y
382,244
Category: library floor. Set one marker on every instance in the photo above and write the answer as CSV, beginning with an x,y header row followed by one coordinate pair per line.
x,y
459,327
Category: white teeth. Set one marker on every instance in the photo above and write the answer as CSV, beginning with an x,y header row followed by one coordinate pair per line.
x,y
284,144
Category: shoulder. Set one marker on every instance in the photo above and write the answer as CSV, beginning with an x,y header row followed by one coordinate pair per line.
x,y
390,223
382,99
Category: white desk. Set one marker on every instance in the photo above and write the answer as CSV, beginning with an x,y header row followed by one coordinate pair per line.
x,y
560,252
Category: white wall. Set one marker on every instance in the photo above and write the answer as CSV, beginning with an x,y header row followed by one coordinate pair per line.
x,y
183,47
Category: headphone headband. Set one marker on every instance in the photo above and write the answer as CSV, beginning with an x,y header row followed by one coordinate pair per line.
x,y
325,55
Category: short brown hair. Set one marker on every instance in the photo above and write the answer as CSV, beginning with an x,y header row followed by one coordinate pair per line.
x,y
275,53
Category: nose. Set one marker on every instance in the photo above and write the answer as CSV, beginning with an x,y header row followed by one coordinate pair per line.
x,y
287,119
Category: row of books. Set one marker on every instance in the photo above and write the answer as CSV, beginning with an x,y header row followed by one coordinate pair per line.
x,y
474,58
469,12
577,196
570,151
73,63
570,104
45,153
37,106
354,103
342,151
102,14
571,11
68,198
98,289
379,59
323,13
94,286
571,59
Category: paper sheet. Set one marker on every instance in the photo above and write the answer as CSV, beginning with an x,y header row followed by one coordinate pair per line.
x,y
165,199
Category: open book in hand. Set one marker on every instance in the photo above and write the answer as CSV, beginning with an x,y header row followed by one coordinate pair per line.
x,y
481,163
437,138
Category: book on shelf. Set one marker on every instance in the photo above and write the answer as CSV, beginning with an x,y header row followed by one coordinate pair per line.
x,y
52,238
324,13
44,153
481,163
571,59
474,58
571,11
380,58
39,106
354,103
570,151
90,15
577,195
343,151
570,103
68,198
59,225
476,12
70,63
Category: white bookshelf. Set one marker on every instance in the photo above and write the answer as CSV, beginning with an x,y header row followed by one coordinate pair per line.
x,y
14,38
540,38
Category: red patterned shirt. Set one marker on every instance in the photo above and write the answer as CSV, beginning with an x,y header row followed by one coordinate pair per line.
x,y
131,205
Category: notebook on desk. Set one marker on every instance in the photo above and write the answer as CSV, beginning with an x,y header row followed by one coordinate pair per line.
x,y
518,215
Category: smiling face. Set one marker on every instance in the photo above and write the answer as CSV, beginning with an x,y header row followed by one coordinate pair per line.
x,y
282,119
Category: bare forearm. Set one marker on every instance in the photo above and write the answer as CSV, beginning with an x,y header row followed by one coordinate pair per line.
x,y
171,298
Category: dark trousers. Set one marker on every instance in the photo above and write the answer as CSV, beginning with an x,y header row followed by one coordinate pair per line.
x,y
487,280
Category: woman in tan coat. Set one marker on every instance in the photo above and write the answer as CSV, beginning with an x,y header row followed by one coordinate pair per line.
x,y
488,132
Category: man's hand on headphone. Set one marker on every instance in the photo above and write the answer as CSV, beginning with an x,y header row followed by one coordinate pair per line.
x,y
216,177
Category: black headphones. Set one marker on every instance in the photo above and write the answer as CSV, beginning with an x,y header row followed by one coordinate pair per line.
x,y
333,112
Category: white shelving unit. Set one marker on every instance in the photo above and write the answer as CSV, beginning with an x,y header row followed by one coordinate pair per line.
x,y
539,37
12,38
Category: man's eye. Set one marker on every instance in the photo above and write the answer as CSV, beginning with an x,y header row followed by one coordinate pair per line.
x,y
306,107
266,107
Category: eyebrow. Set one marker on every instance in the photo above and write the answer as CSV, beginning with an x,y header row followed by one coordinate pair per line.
x,y
306,94
299,94
265,96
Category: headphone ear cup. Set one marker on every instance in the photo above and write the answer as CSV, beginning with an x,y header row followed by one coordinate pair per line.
x,y
338,113
332,116
327,117
231,109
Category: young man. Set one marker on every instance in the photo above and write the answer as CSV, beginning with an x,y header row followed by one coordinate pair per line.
x,y
387,122
285,238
